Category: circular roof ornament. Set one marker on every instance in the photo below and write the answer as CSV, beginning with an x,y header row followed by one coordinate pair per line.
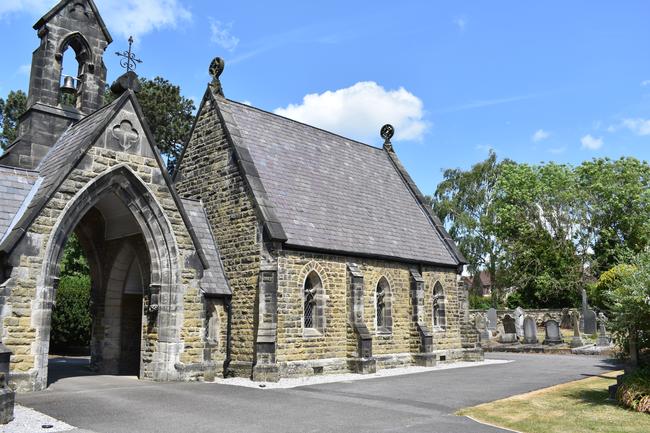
x,y
387,132
216,67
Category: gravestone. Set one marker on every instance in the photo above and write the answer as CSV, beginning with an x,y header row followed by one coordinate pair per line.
x,y
519,321
492,319
589,322
603,338
509,334
480,321
576,341
552,334
530,330
565,319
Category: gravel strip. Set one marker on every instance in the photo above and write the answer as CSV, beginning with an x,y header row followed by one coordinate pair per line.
x,y
28,420
348,377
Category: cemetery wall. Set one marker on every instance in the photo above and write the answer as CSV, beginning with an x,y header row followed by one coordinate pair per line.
x,y
537,314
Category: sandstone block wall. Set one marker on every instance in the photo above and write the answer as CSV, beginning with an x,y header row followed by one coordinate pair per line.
x,y
295,345
209,172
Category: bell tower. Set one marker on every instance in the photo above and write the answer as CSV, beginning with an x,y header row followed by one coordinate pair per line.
x,y
72,29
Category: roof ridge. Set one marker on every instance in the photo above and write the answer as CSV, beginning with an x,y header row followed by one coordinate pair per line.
x,y
352,140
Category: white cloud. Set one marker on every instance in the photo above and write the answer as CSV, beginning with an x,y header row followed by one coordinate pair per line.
x,y
24,69
246,102
540,135
481,103
137,17
360,110
592,143
645,83
484,148
638,126
221,35
123,17
461,23
14,6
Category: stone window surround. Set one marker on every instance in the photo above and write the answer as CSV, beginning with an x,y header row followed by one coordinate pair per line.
x,y
387,327
438,321
212,321
80,47
318,312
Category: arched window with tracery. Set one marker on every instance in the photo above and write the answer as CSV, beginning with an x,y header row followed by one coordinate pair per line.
x,y
383,307
313,304
438,307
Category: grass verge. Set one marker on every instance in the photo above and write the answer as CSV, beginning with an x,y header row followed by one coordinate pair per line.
x,y
575,407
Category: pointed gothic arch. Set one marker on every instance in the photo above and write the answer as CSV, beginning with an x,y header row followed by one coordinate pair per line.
x,y
163,292
76,42
313,301
383,306
438,307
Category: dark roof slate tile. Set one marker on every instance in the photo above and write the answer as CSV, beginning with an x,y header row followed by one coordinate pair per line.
x,y
15,185
214,281
335,194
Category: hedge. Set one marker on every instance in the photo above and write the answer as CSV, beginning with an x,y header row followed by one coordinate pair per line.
x,y
71,321
634,392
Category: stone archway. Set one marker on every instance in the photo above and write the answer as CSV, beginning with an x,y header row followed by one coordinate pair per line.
x,y
162,300
118,319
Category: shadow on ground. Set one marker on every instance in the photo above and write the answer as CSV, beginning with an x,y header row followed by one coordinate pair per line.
x,y
62,367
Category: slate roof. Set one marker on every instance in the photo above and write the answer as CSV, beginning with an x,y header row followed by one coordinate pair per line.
x,y
331,193
214,280
15,185
58,163
30,191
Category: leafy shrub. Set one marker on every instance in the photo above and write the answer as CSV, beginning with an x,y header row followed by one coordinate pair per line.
x,y
629,301
479,302
608,281
634,392
71,320
515,299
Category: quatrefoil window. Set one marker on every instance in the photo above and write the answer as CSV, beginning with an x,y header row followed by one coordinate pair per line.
x,y
126,135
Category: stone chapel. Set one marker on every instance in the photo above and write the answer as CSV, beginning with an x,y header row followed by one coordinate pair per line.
x,y
277,249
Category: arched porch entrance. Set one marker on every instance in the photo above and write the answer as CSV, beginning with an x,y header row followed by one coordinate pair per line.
x,y
133,263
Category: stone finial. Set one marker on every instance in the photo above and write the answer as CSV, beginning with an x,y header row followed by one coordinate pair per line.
x,y
386,133
127,81
215,70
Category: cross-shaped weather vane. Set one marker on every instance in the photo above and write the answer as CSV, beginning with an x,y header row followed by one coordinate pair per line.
x,y
128,59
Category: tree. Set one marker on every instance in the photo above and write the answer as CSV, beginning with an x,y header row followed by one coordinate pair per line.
x,y
618,202
540,221
168,114
464,201
12,109
74,261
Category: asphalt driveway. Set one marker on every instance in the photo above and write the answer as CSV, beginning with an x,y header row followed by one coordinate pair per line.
x,y
423,402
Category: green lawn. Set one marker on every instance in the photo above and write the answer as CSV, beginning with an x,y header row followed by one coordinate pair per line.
x,y
575,407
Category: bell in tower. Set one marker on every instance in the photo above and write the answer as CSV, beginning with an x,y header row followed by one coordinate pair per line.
x,y
71,28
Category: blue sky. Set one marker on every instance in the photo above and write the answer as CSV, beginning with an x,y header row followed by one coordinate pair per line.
x,y
536,81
